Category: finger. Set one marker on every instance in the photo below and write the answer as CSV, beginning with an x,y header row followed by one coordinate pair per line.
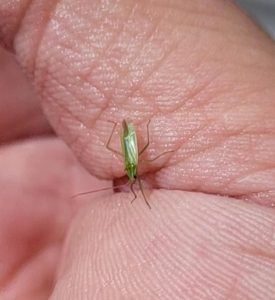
x,y
188,246
37,179
20,110
203,73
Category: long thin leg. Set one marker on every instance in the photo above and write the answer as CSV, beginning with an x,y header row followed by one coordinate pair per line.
x,y
158,156
148,140
133,191
142,191
99,190
109,140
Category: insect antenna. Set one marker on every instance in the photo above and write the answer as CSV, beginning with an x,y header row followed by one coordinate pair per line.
x,y
99,190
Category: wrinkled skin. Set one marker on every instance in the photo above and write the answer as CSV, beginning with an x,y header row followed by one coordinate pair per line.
x,y
204,74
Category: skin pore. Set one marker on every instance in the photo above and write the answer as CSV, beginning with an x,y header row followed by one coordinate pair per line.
x,y
204,75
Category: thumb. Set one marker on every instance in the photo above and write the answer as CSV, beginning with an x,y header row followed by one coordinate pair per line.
x,y
207,84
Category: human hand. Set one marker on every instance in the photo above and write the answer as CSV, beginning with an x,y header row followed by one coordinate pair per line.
x,y
204,75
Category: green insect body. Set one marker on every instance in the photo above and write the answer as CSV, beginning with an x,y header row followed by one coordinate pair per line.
x,y
130,154
130,150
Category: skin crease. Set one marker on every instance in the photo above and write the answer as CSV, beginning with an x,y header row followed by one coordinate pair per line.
x,y
204,74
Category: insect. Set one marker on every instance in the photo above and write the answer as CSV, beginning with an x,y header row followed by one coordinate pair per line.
x,y
130,155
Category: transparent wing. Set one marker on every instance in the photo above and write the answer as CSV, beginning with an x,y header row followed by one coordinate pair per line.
x,y
130,146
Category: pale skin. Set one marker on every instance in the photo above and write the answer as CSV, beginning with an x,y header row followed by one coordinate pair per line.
x,y
204,75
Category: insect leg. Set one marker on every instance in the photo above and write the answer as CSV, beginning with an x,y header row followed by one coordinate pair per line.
x,y
109,140
132,189
142,191
158,156
148,139
99,190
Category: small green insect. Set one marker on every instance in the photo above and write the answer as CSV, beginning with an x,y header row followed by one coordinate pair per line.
x,y
130,155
